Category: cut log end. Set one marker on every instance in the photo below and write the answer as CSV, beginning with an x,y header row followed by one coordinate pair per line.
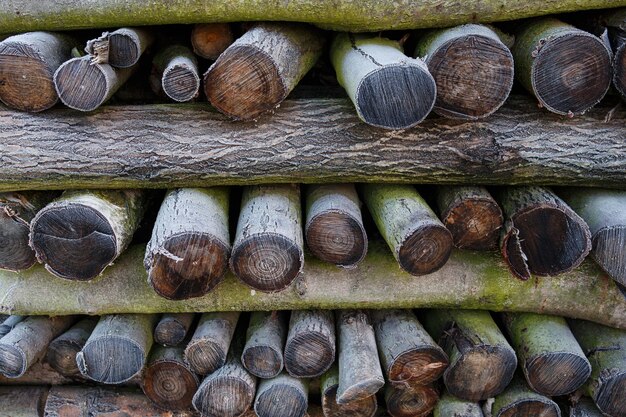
x,y
475,224
180,82
205,356
124,50
530,407
337,238
365,407
62,357
209,40
12,361
514,255
170,385
281,400
608,251
426,250
610,397
421,366
234,394
360,390
309,355
410,401
557,373
111,360
15,254
80,85
619,77
262,361
172,329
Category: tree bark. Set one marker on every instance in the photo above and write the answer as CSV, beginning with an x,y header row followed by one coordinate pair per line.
x,y
22,401
282,396
121,48
40,373
177,73
410,401
208,348
9,324
172,329
519,400
584,408
450,406
310,346
62,351
209,40
265,339
616,24
365,407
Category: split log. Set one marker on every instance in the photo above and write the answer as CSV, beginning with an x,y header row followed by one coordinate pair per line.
x,y
519,400
551,359
118,348
410,401
450,406
472,67
209,40
9,324
268,250
604,211
263,353
27,65
257,72
542,234
177,74
17,209
187,255
472,216
407,353
482,363
334,227
282,396
418,240
567,69
365,407
22,401
360,374
208,348
27,342
606,349
310,346
389,89
82,232
584,407
62,351
167,380
121,48
172,329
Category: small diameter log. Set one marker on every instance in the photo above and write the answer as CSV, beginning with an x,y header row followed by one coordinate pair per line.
x,y
20,401
268,250
209,40
606,350
208,348
567,69
616,25
407,353
418,240
187,255
82,232
410,400
167,380
40,373
265,339
604,211
310,346
334,226
282,396
519,400
27,65
9,323
118,348
482,363
121,48
472,216
365,407
176,68
172,329
584,407
17,209
450,406
360,374
257,72
542,234
388,89
27,342
62,351
472,68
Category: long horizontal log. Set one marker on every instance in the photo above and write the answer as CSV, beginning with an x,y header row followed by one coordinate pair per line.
x,y
470,280
311,140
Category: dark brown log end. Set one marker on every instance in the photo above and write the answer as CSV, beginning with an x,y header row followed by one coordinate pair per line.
x,y
475,224
619,68
123,50
426,250
170,331
244,83
209,40
74,242
309,355
61,356
530,407
411,401
80,85
12,361
15,254
111,360
224,396
608,251
396,96
557,373
610,398
181,83
420,367
204,356
365,407
514,255
190,265
474,76
281,400
337,238
170,385
262,361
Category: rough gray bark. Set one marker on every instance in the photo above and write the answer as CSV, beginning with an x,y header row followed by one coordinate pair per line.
x,y
265,339
40,373
310,347
450,406
209,346
584,407
177,75
410,400
62,351
22,401
365,407
209,40
282,396
519,400
172,329
9,323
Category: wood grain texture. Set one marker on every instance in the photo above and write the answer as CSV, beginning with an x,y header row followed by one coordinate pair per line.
x,y
265,340
209,346
365,407
519,400
61,353
282,396
175,72
22,401
172,329
209,40
310,347
410,401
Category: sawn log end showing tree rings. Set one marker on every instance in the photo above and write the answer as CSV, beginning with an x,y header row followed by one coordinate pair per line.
x,y
262,361
419,367
309,355
475,224
557,373
426,249
170,384
124,50
365,407
336,237
112,359
180,82
15,254
81,85
610,398
410,401
609,253
530,407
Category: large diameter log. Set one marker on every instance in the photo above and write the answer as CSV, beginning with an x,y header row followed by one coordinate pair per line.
x,y
257,72
388,89
82,232
365,407
265,339
121,48
187,255
519,400
18,401
450,406
176,69
209,40
472,68
567,69
410,400
172,329
209,346
9,323
282,396
62,351
310,346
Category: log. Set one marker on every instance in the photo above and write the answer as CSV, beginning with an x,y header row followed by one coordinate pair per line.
x,y
82,232
118,348
172,329
472,67
550,358
472,216
62,351
418,240
360,374
27,342
568,70
209,40
121,48
407,352
519,400
40,373
310,346
22,401
268,250
365,407
176,69
450,406
605,347
482,362
604,211
410,401
17,209
208,348
334,226
542,234
616,24
9,324
257,72
167,380
282,396
584,407
187,255
389,89
265,339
